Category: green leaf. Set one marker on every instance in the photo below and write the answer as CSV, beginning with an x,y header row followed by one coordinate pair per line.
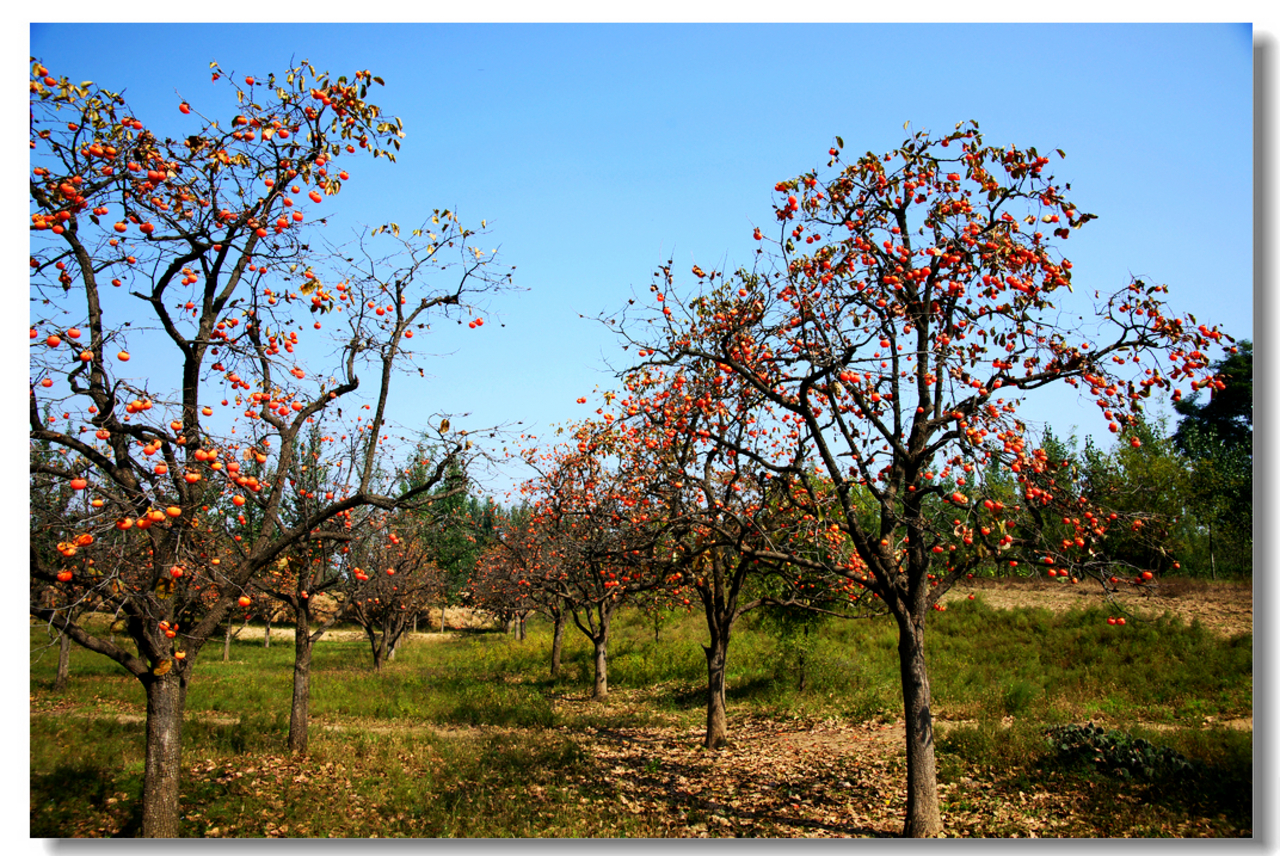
x,y
839,143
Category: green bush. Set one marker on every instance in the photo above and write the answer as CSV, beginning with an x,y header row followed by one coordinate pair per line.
x,y
1118,754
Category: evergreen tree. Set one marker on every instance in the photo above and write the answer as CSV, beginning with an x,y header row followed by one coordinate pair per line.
x,y
1217,438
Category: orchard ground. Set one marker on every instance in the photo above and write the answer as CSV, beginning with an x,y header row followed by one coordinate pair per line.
x,y
1225,608
468,736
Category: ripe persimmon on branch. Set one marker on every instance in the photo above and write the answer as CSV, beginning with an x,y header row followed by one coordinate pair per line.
x,y
729,537
183,310
591,530
397,583
894,322
521,571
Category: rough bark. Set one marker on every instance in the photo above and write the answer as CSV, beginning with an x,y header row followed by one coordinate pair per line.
x,y
64,663
166,697
379,646
300,710
717,658
924,818
600,689
557,642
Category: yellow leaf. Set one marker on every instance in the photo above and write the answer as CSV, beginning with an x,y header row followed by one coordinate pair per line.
x,y
162,668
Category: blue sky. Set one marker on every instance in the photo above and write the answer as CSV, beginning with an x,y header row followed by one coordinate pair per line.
x,y
596,152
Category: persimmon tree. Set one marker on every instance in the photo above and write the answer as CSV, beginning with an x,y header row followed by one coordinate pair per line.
x,y
521,569
597,528
499,587
727,531
308,571
895,318
200,253
395,579
318,579
54,505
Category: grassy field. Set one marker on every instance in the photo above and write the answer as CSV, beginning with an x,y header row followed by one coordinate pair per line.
x,y
469,736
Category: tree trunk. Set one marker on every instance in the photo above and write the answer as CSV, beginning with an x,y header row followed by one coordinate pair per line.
x,y
300,710
924,819
266,636
226,643
717,657
165,699
601,688
520,634
442,608
1213,568
802,656
557,643
64,663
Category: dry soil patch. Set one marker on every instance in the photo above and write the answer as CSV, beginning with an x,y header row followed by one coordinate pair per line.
x,y
1225,608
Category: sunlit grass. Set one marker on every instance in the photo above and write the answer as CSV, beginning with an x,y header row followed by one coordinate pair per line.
x,y
471,736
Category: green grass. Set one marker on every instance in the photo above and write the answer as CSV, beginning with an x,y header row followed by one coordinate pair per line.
x,y
473,737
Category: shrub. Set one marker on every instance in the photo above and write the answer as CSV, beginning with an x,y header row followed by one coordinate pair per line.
x,y
1118,754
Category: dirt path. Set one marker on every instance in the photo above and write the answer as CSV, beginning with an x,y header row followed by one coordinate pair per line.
x,y
832,779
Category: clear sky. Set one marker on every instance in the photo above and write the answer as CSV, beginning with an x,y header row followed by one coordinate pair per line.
x,y
595,152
